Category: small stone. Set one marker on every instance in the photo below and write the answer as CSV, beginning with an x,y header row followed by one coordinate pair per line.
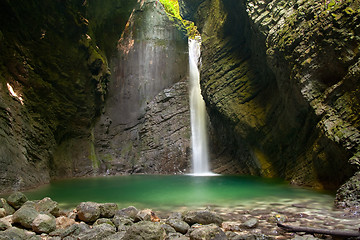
x,y
251,223
44,223
179,225
17,199
88,211
231,226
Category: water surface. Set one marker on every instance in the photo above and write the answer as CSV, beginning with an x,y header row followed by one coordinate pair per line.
x,y
171,192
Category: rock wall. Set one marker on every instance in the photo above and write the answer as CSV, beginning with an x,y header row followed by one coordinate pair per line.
x,y
53,80
145,125
279,81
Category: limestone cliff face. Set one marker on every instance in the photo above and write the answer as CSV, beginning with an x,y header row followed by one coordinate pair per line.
x,y
279,79
145,125
53,79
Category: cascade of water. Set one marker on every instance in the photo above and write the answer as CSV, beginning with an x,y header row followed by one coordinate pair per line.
x,y
199,138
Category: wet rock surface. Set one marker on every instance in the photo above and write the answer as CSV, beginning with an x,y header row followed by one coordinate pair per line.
x,y
253,220
145,126
278,85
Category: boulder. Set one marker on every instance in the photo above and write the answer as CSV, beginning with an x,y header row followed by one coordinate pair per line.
x,y
179,225
177,236
15,233
25,216
116,236
208,232
168,229
107,210
64,222
202,217
74,229
44,223
145,230
47,205
88,211
122,223
98,232
129,212
8,209
17,199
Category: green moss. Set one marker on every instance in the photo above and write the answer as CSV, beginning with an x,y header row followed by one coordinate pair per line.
x,y
93,157
172,10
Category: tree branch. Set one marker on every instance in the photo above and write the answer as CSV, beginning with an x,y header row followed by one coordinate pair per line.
x,y
310,230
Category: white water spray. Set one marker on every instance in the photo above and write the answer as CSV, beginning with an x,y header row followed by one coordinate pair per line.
x,y
199,138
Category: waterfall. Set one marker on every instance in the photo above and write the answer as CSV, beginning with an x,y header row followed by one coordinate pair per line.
x,y
199,138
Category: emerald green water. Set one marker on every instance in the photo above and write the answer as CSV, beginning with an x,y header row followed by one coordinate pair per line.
x,y
170,192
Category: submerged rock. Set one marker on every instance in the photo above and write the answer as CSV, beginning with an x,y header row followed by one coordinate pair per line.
x,y
88,211
251,223
202,217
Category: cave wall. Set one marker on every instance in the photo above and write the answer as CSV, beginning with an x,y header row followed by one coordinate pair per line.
x,y
145,125
279,80
53,80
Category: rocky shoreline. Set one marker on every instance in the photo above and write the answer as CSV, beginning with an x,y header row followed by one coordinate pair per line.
x,y
43,219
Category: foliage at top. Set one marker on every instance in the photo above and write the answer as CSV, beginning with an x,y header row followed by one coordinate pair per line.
x,y
173,11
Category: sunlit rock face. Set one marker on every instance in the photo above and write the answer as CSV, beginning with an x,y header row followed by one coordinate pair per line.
x,y
145,125
279,79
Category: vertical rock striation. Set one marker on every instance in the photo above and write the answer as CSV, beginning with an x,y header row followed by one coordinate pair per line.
x,y
145,126
53,79
279,79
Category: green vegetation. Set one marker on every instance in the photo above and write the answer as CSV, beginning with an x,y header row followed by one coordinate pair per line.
x,y
173,11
